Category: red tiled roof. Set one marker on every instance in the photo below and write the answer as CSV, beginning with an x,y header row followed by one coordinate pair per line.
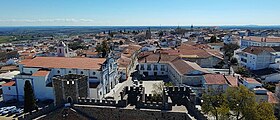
x,y
252,80
232,81
123,61
6,68
257,50
161,58
186,50
217,79
9,83
272,98
215,53
185,67
63,62
262,39
41,73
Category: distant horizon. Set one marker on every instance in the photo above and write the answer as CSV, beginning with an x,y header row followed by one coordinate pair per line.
x,y
142,25
139,13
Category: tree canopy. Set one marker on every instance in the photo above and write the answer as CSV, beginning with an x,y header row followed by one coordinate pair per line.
x,y
237,103
244,72
229,49
29,98
215,105
213,39
103,48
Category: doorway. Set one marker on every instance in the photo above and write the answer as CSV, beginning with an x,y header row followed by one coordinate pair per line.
x,y
69,100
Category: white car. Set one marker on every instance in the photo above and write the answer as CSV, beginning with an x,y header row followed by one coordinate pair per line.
x,y
5,112
19,111
13,110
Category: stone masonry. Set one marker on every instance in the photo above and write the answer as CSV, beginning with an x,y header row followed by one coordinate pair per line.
x,y
68,88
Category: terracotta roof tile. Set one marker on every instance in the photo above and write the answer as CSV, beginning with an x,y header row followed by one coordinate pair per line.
x,y
215,79
123,61
188,51
185,67
41,73
272,98
262,39
252,80
257,50
232,81
9,83
63,62
157,57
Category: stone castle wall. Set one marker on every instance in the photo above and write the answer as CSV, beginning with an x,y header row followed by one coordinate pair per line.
x,y
70,87
112,113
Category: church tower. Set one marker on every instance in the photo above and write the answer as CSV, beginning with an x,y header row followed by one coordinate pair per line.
x,y
62,50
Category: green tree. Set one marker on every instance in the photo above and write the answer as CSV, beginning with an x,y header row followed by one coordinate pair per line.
x,y
242,102
229,49
76,45
160,34
29,98
168,84
233,61
215,105
104,48
236,103
244,72
157,91
213,39
220,65
265,111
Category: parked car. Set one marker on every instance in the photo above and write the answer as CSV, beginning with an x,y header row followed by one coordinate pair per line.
x,y
2,109
13,110
5,112
19,111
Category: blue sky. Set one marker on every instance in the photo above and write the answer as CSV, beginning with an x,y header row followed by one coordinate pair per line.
x,y
138,12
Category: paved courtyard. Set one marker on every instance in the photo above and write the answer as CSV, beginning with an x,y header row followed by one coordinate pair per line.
x,y
149,85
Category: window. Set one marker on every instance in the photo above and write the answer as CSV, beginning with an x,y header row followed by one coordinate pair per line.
x,y
9,88
67,82
70,71
162,68
73,82
60,50
155,67
93,73
100,93
142,67
149,67
82,72
58,71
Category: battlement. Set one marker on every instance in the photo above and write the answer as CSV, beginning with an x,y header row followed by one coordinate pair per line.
x,y
179,90
91,101
154,105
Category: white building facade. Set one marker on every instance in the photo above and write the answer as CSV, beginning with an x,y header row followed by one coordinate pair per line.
x,y
259,41
256,58
102,76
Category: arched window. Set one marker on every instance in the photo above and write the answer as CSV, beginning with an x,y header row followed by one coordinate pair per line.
x,y
58,71
82,72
